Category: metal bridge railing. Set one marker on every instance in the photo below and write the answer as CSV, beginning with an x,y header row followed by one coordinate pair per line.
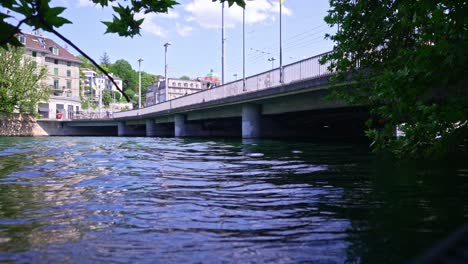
x,y
74,115
309,68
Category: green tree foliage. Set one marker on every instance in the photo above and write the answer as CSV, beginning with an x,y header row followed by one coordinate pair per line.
x,y
117,96
105,59
85,63
185,77
131,93
146,81
106,97
21,87
124,70
409,63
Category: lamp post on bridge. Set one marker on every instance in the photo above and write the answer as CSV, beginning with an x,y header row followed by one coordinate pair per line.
x,y
166,92
272,59
223,42
139,83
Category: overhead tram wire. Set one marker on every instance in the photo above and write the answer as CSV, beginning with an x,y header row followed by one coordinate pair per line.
x,y
299,40
291,39
308,41
305,44
305,39
253,58
275,43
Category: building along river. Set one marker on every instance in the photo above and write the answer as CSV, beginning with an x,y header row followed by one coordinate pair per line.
x,y
166,200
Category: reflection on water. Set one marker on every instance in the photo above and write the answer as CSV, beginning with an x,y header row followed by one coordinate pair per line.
x,y
170,200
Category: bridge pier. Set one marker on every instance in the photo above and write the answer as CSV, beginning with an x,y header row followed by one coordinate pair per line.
x,y
150,128
154,129
251,115
126,130
179,125
121,129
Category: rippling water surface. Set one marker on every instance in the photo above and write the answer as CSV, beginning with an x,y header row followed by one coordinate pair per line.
x,y
152,200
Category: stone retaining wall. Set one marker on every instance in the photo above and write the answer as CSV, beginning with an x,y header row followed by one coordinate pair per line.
x,y
19,125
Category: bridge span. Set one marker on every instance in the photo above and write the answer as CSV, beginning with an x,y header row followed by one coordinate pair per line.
x,y
259,106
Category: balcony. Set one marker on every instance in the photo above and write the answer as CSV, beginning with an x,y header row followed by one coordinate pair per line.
x,y
60,92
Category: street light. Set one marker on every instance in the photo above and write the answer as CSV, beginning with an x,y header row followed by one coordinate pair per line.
x,y
272,59
281,43
166,93
243,49
139,83
235,76
223,42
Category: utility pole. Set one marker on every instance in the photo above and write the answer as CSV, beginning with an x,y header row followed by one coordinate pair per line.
x,y
139,83
100,101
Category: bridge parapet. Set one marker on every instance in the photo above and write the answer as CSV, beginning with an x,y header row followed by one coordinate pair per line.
x,y
306,69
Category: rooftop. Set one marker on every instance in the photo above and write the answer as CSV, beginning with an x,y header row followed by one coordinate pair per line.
x,y
43,44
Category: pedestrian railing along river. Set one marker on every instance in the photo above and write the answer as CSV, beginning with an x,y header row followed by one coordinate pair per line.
x,y
306,69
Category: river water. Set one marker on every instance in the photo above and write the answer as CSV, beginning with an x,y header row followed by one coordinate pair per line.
x,y
165,200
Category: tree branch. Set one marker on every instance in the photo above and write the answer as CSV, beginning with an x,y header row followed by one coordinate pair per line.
x,y
89,58
15,31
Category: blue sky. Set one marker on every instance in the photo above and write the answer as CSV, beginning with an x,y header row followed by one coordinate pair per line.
x,y
194,29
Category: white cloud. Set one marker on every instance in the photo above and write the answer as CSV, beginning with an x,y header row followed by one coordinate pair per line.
x,y
183,30
171,15
149,24
80,3
208,14
85,3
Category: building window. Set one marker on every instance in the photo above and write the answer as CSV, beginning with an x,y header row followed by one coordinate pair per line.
x,y
68,84
191,85
68,73
56,84
55,51
21,38
68,63
173,83
178,84
185,85
34,54
55,71
55,61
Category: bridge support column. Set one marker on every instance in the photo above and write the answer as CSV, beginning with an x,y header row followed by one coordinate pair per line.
x,y
179,125
251,121
150,128
121,129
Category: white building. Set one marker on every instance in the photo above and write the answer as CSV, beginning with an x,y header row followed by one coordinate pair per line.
x,y
156,93
102,82
63,76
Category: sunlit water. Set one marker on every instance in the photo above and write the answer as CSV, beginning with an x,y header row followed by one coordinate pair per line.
x,y
151,200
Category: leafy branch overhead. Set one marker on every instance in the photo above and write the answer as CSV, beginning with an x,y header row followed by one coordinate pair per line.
x,y
409,61
40,15
125,23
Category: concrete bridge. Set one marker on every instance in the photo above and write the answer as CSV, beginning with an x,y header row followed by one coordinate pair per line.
x,y
261,106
